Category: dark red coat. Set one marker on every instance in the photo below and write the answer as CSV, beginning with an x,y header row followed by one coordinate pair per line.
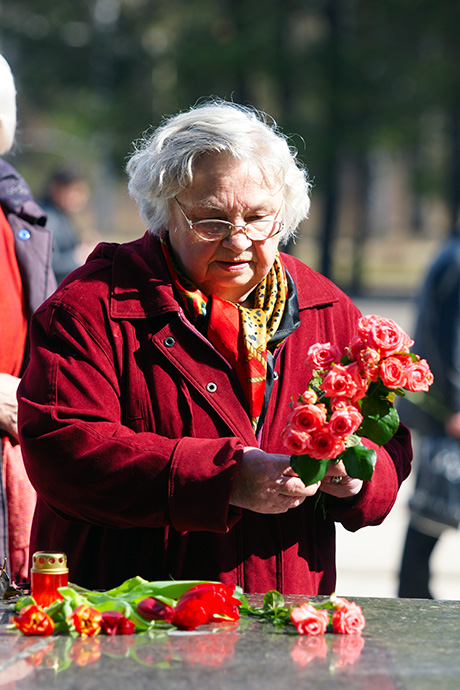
x,y
133,454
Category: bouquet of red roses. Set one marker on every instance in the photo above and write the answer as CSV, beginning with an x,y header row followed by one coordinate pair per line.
x,y
350,395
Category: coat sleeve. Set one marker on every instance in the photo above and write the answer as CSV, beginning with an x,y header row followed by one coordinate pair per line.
x,y
86,463
378,495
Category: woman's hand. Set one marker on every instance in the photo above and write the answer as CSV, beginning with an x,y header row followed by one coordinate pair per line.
x,y
8,404
347,487
266,483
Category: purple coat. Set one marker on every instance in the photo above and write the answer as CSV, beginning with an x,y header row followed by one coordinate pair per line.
x,y
133,454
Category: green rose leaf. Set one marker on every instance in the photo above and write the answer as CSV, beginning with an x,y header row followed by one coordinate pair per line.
x,y
380,420
309,469
359,461
273,600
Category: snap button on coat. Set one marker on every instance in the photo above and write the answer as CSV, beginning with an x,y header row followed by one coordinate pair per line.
x,y
211,387
169,341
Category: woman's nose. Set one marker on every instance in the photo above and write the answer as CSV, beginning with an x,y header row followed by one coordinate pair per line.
x,y
237,240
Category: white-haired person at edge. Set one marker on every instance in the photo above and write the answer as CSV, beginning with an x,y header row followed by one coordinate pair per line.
x,y
162,371
26,279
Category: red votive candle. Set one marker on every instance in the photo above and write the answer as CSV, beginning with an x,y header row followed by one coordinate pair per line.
x,y
49,571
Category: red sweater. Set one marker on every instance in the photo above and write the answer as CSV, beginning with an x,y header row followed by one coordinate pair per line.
x,y
13,322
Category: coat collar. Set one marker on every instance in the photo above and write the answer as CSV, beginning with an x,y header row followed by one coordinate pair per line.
x,y
16,197
141,286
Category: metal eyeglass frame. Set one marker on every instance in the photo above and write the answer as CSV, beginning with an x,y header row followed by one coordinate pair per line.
x,y
231,226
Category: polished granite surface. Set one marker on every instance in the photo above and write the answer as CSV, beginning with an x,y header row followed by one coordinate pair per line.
x,y
406,644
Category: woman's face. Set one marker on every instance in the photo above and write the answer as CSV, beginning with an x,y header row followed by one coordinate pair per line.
x,y
229,190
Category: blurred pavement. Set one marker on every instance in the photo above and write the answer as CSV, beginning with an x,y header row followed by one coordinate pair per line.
x,y
368,560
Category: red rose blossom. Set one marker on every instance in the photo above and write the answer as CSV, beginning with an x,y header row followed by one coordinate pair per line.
x,y
393,371
418,376
384,335
324,354
295,441
345,381
307,418
345,422
347,617
324,445
308,620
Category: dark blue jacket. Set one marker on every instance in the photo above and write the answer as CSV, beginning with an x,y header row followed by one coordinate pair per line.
x,y
437,339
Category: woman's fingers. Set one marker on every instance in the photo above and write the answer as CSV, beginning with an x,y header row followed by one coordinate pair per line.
x,y
266,484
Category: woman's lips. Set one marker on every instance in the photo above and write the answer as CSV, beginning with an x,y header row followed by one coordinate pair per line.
x,y
233,266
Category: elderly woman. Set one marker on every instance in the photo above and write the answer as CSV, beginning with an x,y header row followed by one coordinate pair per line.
x,y
162,370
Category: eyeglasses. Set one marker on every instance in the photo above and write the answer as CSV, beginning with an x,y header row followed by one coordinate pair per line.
x,y
218,230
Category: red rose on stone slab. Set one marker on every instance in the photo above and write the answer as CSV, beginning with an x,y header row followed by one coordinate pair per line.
x,y
308,620
348,617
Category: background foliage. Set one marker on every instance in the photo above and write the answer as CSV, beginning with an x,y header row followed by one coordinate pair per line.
x,y
369,90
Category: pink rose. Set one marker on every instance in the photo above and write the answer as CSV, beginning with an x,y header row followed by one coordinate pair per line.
x,y
362,383
418,376
307,418
295,441
345,381
338,382
323,444
323,355
384,335
347,618
308,397
306,649
365,324
357,345
339,403
368,361
345,422
393,371
308,620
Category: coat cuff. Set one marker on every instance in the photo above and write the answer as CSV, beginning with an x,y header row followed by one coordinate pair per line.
x,y
201,482
376,498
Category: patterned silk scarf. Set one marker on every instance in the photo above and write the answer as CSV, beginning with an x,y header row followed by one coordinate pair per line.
x,y
240,334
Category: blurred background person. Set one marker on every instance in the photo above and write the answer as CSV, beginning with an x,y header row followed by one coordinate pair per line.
x,y
26,279
66,195
435,503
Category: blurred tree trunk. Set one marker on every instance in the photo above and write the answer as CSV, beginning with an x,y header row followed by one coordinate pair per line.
x,y
242,93
361,229
333,130
453,143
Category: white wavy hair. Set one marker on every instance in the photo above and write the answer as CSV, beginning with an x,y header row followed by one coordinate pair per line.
x,y
7,107
163,163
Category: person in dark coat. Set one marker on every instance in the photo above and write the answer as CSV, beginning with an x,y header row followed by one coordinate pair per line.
x,y
152,411
67,193
26,280
435,502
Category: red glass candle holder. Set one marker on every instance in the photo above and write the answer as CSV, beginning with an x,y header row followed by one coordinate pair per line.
x,y
49,571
